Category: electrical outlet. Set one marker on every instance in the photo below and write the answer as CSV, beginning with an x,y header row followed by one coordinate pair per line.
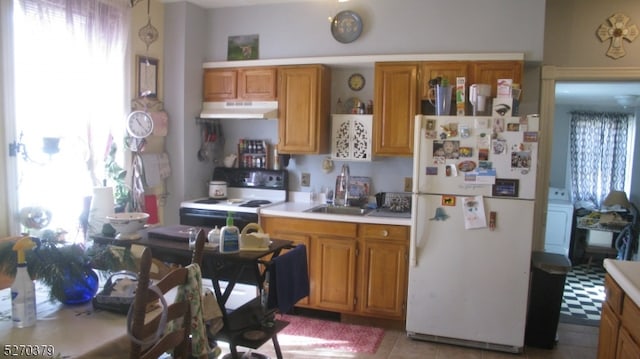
x,y
408,184
305,179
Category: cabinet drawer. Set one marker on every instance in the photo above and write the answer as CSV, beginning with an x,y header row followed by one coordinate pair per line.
x,y
631,318
613,294
384,231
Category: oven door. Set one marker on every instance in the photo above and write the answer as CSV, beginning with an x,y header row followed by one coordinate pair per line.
x,y
210,218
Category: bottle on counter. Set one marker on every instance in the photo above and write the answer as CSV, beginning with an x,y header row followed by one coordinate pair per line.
x,y
342,187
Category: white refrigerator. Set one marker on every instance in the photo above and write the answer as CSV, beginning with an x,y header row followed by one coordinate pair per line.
x,y
471,233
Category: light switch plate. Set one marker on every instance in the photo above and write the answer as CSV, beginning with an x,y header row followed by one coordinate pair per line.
x,y
305,179
408,184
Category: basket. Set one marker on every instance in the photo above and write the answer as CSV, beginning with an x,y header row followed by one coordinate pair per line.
x,y
118,292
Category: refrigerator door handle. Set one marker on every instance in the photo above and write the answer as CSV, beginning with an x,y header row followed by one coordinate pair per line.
x,y
413,237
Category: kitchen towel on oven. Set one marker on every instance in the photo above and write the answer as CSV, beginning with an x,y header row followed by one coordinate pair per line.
x,y
289,279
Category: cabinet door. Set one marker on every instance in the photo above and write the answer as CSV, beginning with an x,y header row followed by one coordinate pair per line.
x,y
351,137
488,72
608,336
627,348
384,277
220,84
445,69
303,103
257,84
334,263
396,105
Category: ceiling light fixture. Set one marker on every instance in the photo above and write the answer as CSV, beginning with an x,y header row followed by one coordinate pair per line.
x,y
626,100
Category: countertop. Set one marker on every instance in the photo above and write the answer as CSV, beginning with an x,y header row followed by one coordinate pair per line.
x,y
297,210
627,275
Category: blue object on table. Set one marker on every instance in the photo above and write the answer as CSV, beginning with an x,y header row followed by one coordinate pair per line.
x,y
80,291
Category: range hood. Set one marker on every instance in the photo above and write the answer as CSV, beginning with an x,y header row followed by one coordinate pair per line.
x,y
240,110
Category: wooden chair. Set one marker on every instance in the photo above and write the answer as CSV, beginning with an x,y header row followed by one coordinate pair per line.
x,y
142,329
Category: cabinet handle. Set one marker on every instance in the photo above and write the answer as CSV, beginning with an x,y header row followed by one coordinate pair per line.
x,y
385,233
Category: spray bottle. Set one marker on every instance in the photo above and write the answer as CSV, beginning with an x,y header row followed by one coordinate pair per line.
x,y
23,292
229,237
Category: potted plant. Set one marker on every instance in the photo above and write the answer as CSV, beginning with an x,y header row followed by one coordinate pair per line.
x,y
67,269
118,176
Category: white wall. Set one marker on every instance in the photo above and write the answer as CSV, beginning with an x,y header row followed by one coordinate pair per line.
x,y
303,30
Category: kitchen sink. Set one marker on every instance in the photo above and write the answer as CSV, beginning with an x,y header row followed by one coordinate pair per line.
x,y
350,210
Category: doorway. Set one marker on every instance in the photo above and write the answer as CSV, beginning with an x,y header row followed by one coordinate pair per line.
x,y
584,291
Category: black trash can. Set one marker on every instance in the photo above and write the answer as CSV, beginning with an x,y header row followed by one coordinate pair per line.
x,y
548,274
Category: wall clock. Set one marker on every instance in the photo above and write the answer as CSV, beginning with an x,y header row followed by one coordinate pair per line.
x,y
346,26
139,124
356,82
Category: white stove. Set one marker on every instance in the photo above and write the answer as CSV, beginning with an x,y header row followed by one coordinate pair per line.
x,y
248,200
248,190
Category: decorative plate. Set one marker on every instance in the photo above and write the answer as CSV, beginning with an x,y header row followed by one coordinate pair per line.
x,y
346,26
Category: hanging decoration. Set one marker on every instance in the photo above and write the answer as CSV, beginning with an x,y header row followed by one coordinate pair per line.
x,y
136,142
617,30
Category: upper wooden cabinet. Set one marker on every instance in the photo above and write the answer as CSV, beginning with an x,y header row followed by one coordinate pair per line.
x,y
445,69
220,84
400,85
303,106
488,72
250,83
396,104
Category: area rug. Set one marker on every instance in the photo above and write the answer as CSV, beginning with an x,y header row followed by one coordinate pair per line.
x,y
316,334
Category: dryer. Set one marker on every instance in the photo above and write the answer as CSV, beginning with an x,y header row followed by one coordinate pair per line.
x,y
559,222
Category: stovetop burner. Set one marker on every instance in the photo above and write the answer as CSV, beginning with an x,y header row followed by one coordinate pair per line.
x,y
207,201
255,203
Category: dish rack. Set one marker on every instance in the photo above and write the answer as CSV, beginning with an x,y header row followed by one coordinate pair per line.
x,y
397,201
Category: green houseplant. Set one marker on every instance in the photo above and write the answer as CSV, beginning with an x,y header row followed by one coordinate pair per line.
x,y
60,266
118,176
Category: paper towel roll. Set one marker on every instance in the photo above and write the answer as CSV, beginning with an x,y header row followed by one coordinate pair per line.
x,y
102,205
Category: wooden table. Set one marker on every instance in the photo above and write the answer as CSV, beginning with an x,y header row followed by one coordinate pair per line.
x,y
65,331
232,268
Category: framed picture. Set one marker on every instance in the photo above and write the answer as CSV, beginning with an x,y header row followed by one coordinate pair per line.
x,y
244,47
147,76
505,188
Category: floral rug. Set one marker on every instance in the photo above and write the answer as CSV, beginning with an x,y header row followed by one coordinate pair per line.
x,y
317,335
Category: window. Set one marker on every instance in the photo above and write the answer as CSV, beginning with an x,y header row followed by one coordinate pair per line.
x,y
70,90
601,147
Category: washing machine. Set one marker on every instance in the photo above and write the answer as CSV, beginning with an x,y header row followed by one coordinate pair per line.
x,y
559,222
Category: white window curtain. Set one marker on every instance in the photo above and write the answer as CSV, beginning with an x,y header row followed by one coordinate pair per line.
x,y
71,86
598,144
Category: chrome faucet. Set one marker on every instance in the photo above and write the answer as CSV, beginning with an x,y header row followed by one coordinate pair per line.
x,y
341,194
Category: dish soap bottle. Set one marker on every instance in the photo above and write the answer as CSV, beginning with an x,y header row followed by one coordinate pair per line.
x,y
23,291
342,187
229,237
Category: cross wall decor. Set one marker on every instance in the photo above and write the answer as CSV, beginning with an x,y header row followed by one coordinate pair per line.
x,y
617,30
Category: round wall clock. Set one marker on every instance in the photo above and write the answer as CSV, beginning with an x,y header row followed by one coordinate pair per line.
x,y
356,82
139,124
346,26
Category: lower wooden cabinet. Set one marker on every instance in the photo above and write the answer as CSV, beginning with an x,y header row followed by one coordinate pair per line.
x,y
619,336
353,268
383,270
